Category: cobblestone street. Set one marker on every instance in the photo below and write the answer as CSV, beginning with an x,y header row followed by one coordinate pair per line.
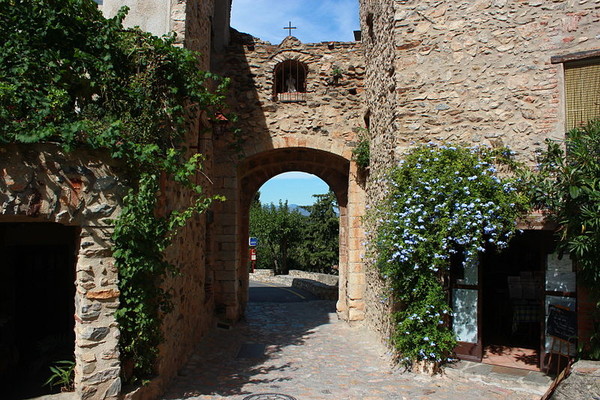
x,y
300,349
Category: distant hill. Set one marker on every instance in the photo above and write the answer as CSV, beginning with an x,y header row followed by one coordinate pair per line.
x,y
304,212
295,207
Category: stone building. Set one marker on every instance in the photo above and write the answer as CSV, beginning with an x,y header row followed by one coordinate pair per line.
x,y
301,112
494,72
489,72
54,230
58,278
300,108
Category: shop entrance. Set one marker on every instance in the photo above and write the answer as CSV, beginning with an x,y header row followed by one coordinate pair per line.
x,y
37,292
512,298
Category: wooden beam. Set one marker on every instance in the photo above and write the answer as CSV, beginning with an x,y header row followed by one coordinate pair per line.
x,y
581,55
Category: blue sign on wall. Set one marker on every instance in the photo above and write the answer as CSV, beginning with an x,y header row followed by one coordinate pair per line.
x,y
253,242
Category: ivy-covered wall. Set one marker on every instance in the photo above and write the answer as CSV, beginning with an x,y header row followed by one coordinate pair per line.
x,y
124,232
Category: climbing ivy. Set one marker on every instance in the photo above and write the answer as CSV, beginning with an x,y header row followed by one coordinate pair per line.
x,y
445,205
68,75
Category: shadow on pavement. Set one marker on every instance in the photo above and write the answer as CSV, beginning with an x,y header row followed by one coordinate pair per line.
x,y
260,292
228,359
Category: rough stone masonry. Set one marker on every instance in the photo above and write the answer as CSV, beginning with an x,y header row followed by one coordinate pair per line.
x,y
473,72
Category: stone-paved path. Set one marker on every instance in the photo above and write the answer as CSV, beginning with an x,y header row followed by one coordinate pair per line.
x,y
309,355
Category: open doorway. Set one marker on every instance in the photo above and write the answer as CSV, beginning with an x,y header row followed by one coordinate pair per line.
x,y
295,219
334,171
513,301
37,292
294,227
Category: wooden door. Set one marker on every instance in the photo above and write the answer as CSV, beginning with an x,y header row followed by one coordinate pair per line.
x,y
560,291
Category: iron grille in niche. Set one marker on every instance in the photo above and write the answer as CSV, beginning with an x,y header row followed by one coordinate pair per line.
x,y
290,81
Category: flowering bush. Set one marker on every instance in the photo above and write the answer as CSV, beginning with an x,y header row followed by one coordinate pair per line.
x,y
444,203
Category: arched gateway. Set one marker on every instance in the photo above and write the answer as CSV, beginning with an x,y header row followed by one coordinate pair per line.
x,y
333,169
228,262
315,133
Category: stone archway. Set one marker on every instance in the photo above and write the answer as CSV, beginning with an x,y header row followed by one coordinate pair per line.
x,y
313,133
257,170
230,262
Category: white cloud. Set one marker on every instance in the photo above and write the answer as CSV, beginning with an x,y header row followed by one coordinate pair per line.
x,y
294,175
316,20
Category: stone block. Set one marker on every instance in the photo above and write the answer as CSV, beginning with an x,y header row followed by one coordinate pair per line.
x,y
356,279
229,286
106,294
103,376
341,306
355,314
88,392
94,334
357,304
355,257
225,275
90,312
356,292
114,389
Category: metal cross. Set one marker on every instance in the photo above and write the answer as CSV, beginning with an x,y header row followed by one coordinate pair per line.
x,y
289,28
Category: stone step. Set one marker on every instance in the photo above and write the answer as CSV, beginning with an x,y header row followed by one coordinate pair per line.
x,y
516,379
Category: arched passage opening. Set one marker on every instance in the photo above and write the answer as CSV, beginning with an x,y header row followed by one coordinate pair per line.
x,y
294,218
254,171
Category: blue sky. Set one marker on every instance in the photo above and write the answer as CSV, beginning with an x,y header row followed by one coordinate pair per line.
x,y
316,20
295,187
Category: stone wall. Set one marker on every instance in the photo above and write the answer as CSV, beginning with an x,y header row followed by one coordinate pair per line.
x,y
314,135
332,112
150,15
83,189
478,72
377,22
331,280
41,183
475,72
323,286
582,383
193,301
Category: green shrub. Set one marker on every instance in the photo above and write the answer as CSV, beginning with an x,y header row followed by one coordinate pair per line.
x,y
361,153
567,188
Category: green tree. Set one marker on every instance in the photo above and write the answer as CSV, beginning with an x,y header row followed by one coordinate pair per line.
x,y
319,248
278,229
568,189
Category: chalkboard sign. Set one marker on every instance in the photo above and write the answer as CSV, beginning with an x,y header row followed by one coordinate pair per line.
x,y
561,323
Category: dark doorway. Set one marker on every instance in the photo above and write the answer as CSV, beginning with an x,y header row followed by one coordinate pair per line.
x,y
37,292
513,296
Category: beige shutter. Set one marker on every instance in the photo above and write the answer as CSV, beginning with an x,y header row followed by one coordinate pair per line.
x,y
582,90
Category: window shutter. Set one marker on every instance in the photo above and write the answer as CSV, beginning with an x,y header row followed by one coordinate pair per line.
x,y
582,90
